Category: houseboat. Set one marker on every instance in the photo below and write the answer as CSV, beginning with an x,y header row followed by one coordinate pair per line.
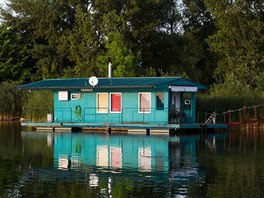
x,y
149,103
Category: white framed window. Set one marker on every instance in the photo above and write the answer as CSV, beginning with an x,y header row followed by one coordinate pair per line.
x,y
63,95
144,102
102,102
75,96
116,102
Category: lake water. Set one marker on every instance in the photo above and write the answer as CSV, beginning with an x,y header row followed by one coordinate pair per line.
x,y
44,164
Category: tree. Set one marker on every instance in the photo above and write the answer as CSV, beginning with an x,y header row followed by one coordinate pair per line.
x,y
83,45
151,24
41,24
10,101
123,60
198,22
74,38
238,42
12,56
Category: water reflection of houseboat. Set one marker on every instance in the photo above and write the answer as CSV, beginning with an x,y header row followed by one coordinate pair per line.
x,y
167,158
99,157
182,157
118,152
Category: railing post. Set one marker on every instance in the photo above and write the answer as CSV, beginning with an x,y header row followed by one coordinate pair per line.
x,y
154,121
121,115
244,117
240,116
30,115
71,114
229,116
255,112
143,115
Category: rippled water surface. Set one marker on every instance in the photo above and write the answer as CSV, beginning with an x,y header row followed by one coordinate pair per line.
x,y
44,164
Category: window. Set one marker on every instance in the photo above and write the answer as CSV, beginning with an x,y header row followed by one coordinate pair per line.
x,y
160,101
116,102
144,102
63,95
75,96
102,103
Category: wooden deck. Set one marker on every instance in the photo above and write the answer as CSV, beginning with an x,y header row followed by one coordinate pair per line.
x,y
55,126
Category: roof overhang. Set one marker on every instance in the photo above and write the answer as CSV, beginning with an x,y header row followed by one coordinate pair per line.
x,y
157,83
183,89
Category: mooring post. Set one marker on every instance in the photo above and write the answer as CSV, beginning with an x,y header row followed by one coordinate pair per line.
x,y
148,131
109,131
255,113
240,116
244,117
229,116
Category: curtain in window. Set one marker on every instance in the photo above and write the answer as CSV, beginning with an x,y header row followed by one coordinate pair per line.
x,y
102,103
144,102
116,102
63,95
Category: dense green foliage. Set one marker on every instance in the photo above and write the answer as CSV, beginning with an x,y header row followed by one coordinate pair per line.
x,y
202,40
38,104
15,104
12,56
73,38
218,43
238,41
10,101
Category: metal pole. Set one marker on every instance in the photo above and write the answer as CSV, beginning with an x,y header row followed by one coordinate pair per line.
x,y
110,70
143,115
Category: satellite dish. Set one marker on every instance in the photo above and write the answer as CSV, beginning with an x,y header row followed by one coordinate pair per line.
x,y
93,81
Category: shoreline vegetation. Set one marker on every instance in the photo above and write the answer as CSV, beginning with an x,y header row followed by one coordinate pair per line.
x,y
11,102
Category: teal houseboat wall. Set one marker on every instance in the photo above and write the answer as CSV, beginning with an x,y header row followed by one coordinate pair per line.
x,y
84,109
189,111
163,100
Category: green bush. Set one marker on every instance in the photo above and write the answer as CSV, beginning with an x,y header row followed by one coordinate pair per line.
x,y
37,105
11,101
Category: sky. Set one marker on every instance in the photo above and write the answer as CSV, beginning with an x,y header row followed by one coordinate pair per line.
x,y
2,2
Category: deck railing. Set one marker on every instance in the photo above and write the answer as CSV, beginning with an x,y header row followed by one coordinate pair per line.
x,y
127,115
93,115
203,114
87,114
